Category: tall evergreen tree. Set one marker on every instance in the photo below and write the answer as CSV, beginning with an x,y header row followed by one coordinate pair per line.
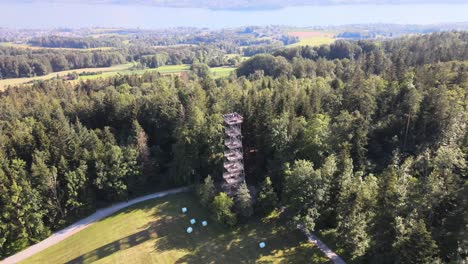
x,y
221,209
244,201
414,243
267,199
207,191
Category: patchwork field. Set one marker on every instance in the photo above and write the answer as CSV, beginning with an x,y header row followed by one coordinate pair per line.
x,y
312,38
154,232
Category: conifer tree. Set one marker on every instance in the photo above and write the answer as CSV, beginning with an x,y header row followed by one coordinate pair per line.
x,y
244,201
206,191
267,199
221,209
414,243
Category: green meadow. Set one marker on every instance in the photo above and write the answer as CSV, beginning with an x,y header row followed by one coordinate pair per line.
x,y
127,68
155,232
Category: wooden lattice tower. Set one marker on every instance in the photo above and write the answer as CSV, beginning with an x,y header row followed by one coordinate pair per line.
x,y
233,155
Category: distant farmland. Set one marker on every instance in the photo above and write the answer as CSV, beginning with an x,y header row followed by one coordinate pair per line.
x,y
312,38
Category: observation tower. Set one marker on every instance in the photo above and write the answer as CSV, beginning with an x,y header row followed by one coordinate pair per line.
x,y
233,155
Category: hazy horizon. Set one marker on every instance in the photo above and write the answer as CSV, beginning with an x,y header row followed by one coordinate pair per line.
x,y
72,15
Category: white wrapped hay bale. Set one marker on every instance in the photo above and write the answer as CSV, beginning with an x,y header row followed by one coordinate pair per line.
x,y
204,223
184,210
189,230
192,221
262,244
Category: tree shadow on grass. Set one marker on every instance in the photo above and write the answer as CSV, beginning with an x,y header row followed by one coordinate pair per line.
x,y
109,249
212,244
153,231
220,244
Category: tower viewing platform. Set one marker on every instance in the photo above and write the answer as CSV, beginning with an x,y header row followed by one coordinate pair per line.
x,y
233,119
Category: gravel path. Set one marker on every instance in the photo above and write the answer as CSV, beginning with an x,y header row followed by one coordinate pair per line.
x,y
82,224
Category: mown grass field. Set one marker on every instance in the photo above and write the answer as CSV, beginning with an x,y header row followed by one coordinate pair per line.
x,y
154,232
312,38
168,69
164,69
221,71
106,72
16,81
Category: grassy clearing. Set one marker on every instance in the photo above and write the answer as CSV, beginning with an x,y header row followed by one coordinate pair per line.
x,y
130,70
16,81
168,69
113,71
312,38
313,41
221,71
172,68
154,232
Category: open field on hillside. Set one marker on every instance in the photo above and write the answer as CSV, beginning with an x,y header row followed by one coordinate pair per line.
x,y
221,71
154,232
112,71
163,69
16,81
168,69
312,38
26,46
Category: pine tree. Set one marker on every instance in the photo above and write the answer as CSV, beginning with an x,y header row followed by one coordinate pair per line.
x,y
353,233
304,192
111,173
48,183
75,185
206,191
244,201
355,216
267,199
22,209
414,243
139,139
221,209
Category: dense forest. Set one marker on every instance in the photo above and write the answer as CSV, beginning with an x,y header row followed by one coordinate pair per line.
x,y
368,139
249,36
16,63
73,42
